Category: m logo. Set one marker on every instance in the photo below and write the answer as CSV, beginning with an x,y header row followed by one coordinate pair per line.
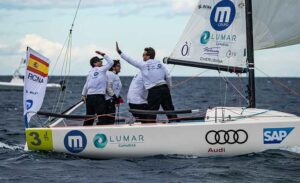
x,y
222,16
276,135
75,141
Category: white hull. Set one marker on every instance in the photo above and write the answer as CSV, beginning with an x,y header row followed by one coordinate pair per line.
x,y
210,138
20,86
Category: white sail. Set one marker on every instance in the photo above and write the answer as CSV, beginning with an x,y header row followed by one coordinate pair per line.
x,y
215,36
275,23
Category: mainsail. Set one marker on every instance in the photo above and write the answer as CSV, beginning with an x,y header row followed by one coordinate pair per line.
x,y
215,36
275,24
35,83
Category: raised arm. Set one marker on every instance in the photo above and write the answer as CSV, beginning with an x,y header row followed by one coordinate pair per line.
x,y
109,64
131,61
135,63
109,61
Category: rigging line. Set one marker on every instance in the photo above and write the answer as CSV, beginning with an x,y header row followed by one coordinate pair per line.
x,y
226,80
59,55
67,49
189,79
292,91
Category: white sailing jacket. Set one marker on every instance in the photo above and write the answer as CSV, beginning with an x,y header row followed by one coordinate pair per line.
x,y
96,82
114,85
153,71
137,93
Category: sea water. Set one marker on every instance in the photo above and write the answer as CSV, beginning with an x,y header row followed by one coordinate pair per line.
x,y
283,165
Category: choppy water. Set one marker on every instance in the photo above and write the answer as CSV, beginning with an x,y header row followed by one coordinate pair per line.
x,y
272,166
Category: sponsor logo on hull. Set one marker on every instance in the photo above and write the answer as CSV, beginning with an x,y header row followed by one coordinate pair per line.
x,y
122,141
75,141
223,137
276,135
216,150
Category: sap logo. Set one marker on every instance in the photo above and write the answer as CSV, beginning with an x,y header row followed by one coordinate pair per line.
x,y
205,36
35,78
276,135
222,16
75,141
29,104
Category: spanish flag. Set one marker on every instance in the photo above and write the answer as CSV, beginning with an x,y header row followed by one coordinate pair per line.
x,y
37,65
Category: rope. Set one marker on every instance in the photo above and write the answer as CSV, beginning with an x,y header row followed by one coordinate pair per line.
x,y
189,79
66,66
290,90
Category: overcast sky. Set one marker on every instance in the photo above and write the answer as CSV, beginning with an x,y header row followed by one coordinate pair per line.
x,y
43,25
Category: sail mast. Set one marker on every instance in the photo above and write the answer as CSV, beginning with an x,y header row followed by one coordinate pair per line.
x,y
250,53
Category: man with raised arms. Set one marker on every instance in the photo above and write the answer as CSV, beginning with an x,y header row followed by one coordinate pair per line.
x,y
94,90
156,80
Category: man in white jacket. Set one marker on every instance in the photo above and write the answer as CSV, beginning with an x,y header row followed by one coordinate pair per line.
x,y
94,90
156,80
114,86
137,97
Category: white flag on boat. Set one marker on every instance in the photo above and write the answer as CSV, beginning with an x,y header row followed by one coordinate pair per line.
x,y
215,36
35,83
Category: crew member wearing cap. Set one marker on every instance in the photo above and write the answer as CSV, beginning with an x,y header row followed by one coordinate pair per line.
x,y
94,90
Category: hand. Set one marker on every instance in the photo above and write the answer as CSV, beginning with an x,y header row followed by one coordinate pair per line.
x,y
100,53
83,98
118,49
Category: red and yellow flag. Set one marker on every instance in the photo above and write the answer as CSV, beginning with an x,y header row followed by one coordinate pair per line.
x,y
38,65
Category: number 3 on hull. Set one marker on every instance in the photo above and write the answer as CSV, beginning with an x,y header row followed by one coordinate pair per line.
x,y
39,139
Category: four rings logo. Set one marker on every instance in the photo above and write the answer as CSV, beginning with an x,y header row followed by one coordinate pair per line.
x,y
226,137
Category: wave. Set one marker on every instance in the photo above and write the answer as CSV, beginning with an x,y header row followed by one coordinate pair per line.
x,y
14,148
292,149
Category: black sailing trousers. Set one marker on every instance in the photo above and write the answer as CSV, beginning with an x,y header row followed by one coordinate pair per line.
x,y
110,110
140,117
95,104
160,96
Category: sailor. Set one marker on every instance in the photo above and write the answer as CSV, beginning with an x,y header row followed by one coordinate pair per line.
x,y
114,86
137,97
94,90
156,80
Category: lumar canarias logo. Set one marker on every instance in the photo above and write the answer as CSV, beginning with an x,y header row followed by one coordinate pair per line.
x,y
223,15
100,141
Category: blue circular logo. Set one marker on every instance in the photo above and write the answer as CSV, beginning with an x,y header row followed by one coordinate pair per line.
x,y
100,141
75,141
96,74
205,37
222,16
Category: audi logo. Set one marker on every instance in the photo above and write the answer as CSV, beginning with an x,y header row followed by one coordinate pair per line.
x,y
226,137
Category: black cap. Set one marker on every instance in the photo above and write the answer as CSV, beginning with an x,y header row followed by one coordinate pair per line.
x,y
95,60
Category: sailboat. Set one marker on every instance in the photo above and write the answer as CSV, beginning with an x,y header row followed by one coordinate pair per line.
x,y
17,81
219,36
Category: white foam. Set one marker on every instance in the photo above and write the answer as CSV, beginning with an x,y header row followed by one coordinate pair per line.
x,y
6,146
292,149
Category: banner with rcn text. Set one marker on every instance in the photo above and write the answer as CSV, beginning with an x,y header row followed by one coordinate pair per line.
x,y
35,83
